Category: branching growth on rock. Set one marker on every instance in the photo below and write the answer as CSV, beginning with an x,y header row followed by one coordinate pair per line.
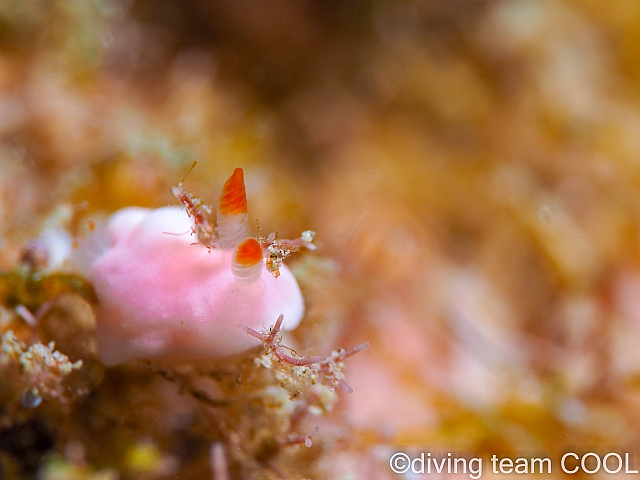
x,y
42,367
328,370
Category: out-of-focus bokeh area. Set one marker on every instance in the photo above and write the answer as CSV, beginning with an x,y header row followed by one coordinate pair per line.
x,y
471,168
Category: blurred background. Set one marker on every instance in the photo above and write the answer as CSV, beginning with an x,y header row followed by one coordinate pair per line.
x,y
471,168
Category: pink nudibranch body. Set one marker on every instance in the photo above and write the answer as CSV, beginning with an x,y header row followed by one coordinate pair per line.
x,y
162,296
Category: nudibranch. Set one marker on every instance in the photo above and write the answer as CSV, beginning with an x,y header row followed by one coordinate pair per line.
x,y
174,284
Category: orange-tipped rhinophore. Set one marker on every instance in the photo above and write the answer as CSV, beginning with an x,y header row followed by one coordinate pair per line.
x,y
233,199
232,211
246,264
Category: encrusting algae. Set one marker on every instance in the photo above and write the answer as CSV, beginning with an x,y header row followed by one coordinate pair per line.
x,y
189,381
